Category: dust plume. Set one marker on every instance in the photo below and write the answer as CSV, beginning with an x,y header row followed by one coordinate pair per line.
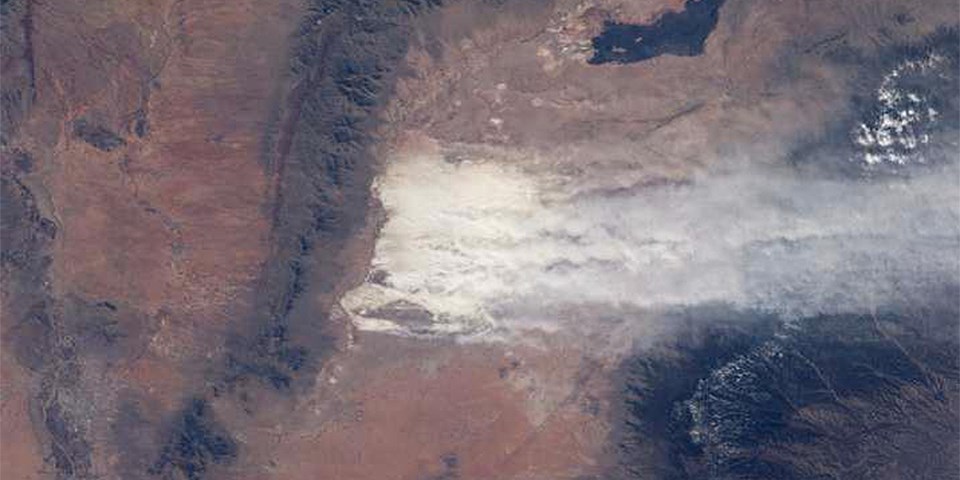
x,y
483,245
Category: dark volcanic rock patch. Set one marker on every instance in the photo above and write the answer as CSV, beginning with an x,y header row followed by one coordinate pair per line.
x,y
674,33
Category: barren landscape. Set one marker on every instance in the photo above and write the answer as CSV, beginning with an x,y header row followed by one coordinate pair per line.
x,y
488,239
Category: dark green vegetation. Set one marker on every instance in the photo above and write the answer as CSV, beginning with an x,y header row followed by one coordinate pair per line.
x,y
680,33
928,77
45,344
19,82
740,395
96,135
197,441
342,71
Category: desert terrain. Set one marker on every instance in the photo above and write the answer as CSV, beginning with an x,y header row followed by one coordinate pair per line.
x,y
491,239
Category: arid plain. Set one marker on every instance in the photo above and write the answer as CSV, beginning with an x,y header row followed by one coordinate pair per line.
x,y
413,239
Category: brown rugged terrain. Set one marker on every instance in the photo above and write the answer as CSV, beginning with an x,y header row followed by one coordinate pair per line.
x,y
146,152
141,142
189,194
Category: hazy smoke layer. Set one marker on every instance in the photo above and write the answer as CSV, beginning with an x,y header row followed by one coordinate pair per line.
x,y
478,245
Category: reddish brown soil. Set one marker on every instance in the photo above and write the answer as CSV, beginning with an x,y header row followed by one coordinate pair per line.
x,y
165,231
22,456
169,227
402,409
